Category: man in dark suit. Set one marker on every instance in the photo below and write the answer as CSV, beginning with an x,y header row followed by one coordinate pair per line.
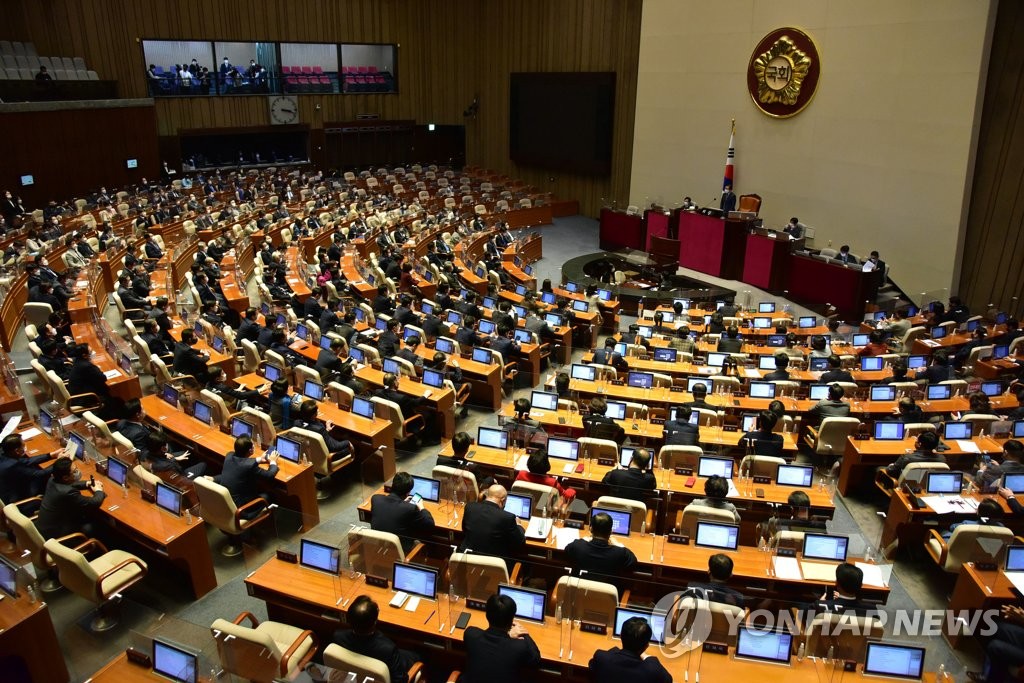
x,y
636,481
597,425
330,360
763,440
53,358
153,249
308,420
188,361
504,653
731,342
382,302
250,328
781,371
629,663
242,474
388,342
467,336
504,343
609,356
490,530
133,428
63,507
679,431
924,451
700,393
21,477
598,557
364,639
833,406
835,373
85,378
408,353
397,514
716,588
728,202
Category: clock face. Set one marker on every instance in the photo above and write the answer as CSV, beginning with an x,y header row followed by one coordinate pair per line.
x,y
284,109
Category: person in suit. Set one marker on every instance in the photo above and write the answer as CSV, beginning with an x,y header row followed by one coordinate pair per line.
x,y
152,249
716,490
731,342
597,425
716,588
763,440
504,652
331,360
21,477
835,372
395,512
249,328
628,662
53,358
844,255
679,431
831,406
188,361
467,336
924,451
166,465
364,639
988,476
382,302
874,263
728,202
389,341
845,595
781,371
939,371
63,507
635,481
488,529
307,419
408,352
389,392
242,474
85,378
598,557
609,356
504,343
700,393
795,229
133,428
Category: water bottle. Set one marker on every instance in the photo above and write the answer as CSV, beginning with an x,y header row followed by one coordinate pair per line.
x,y
830,653
31,590
940,675
188,517
558,613
801,652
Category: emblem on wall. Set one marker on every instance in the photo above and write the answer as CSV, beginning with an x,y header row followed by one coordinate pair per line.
x,y
783,72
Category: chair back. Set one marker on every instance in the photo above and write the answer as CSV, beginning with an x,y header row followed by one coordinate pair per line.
x,y
720,614
917,471
702,513
598,448
543,496
245,652
264,424
476,577
341,393
392,413
680,456
217,506
963,544
44,381
251,359
76,574
707,418
26,536
374,553
846,634
220,407
587,600
637,510
762,466
337,657
917,428
749,202
832,434
456,484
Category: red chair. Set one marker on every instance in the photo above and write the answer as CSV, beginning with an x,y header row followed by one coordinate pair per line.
x,y
362,70
307,70
291,83
318,70
372,69
285,70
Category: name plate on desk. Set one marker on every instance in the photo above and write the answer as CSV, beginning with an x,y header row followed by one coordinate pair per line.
x,y
785,552
678,538
657,421
378,581
148,495
730,428
592,627
476,604
138,657
287,556
617,383
716,648
677,390
861,437
573,524
762,480
684,471
606,462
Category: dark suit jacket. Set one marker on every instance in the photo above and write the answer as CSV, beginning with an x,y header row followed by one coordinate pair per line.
x,y
136,433
187,361
830,376
610,563
603,427
22,478
616,665
493,657
681,433
716,592
489,530
86,378
727,345
63,508
318,427
242,476
630,483
765,444
827,408
398,516
378,646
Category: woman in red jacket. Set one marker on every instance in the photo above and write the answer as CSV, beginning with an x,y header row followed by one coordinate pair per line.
x,y
538,465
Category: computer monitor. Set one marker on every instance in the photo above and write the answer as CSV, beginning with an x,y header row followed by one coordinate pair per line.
x,y
543,400
8,577
408,333
453,318
563,449
202,412
486,327
917,362
272,373
944,482
482,356
992,388
1014,482
817,364
571,287
168,498
362,407
883,392
762,390
666,355
487,302
655,620
580,306
717,535
520,310
685,303
795,475
79,443
356,354
319,556
646,331
360,315
427,488
957,430
825,547
871,363
818,392
776,341
709,467
889,431
691,382
547,297
1014,558
748,423
528,270
313,389
553,319
492,437
717,359
175,663
117,471
125,361
170,395
325,342
762,323
46,421
620,519
766,307
766,362
380,324
604,294
808,321
616,410
640,380
519,505
289,449
1000,351
520,290
522,336
301,331
530,603
861,339
894,661
1018,429
583,372
433,378
240,427
391,365
426,307
414,579
444,345
939,332
764,646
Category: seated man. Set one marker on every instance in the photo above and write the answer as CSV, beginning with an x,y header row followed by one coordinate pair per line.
x,y
781,371
489,529
167,465
597,425
833,406
844,596
835,372
599,556
716,490
924,452
187,360
764,441
628,663
678,431
308,420
700,393
396,513
731,342
636,481
21,477
242,474
609,356
504,653
716,588
990,475
989,513
364,639
64,509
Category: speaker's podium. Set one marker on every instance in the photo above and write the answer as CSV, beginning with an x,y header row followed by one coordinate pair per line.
x,y
766,260
711,243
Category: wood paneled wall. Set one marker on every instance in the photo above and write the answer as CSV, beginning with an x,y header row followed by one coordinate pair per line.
x,y
992,268
449,52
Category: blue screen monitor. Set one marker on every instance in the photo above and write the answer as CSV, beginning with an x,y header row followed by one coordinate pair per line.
x,y
762,323
117,471
482,356
762,390
581,306
655,620
883,392
391,365
272,373
665,355
444,345
604,294
312,389
620,519
1000,351
861,339
168,498
872,363
894,661
240,427
939,332
170,395
766,307
492,438
992,388
356,354
175,663
415,580
433,378
289,449
319,556
583,372
530,603
710,467
917,362
957,430
563,449
825,547
807,322
547,297
818,392
202,412
939,392
765,646
362,407
641,380
715,535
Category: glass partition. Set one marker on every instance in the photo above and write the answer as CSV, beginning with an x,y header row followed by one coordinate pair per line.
x,y
309,67
178,67
368,68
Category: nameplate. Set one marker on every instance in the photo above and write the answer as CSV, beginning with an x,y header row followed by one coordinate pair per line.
x,y
573,524
617,383
785,552
849,665
677,390
762,480
679,538
684,471
592,627
378,581
476,604
985,566
416,379
606,462
101,467
148,495
287,556
466,356
862,437
138,657
730,428
715,648
657,421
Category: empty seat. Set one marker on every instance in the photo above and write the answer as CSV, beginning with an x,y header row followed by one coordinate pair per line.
x,y
92,76
79,64
82,75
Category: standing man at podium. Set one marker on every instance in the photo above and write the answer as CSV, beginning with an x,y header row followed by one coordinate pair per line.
x,y
728,200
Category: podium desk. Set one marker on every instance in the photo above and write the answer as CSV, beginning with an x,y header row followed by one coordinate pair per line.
x,y
656,224
712,245
766,259
814,281
620,230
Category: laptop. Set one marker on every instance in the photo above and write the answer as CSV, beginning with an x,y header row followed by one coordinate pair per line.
x,y
427,488
894,661
433,378
563,449
717,535
709,467
362,407
530,603
8,577
889,431
492,437
202,412
883,392
620,519
872,363
117,471
289,449
763,646
415,580
655,621
762,390
583,372
795,475
175,663
319,556
957,430
947,483
168,498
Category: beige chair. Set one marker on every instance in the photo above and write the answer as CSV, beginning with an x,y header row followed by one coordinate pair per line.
x,y
389,410
100,580
374,553
219,510
687,518
982,424
37,313
221,412
708,418
264,432
587,600
680,456
912,335
959,386
456,484
365,668
145,477
640,517
252,358
917,428
30,542
725,384
762,466
77,404
262,652
543,497
598,448
846,635
476,577
42,380
720,615
324,463
829,439
963,544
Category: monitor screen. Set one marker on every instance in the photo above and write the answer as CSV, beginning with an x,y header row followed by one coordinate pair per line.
x,y
717,359
715,535
616,410
488,302
645,332
520,290
302,332
530,603
768,646
641,380
667,317
939,332
571,287
795,475
762,390
992,388
520,311
543,400
766,307
818,364
894,661
1014,482
547,297
861,339
519,505
492,438
889,431
240,427
27,180
825,547
202,412
168,498
584,372
944,482
1018,429
46,421
380,324
426,307
818,392
749,423
453,318
8,577
125,361
604,294
709,467
665,355
355,354
565,449
522,336
433,378
871,363
766,362
485,327
289,449
325,343
428,489
762,323
655,621
272,373
917,362
319,556
175,663
883,392
362,407
313,389
553,319
620,519
391,365
1014,558
482,356
117,471
1000,351
416,580
444,345
79,444
580,306
408,333
170,394
691,382
956,430
808,321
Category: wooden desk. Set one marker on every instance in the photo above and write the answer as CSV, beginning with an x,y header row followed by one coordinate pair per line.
x,y
123,386
224,361
441,400
295,481
976,590
27,634
906,526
